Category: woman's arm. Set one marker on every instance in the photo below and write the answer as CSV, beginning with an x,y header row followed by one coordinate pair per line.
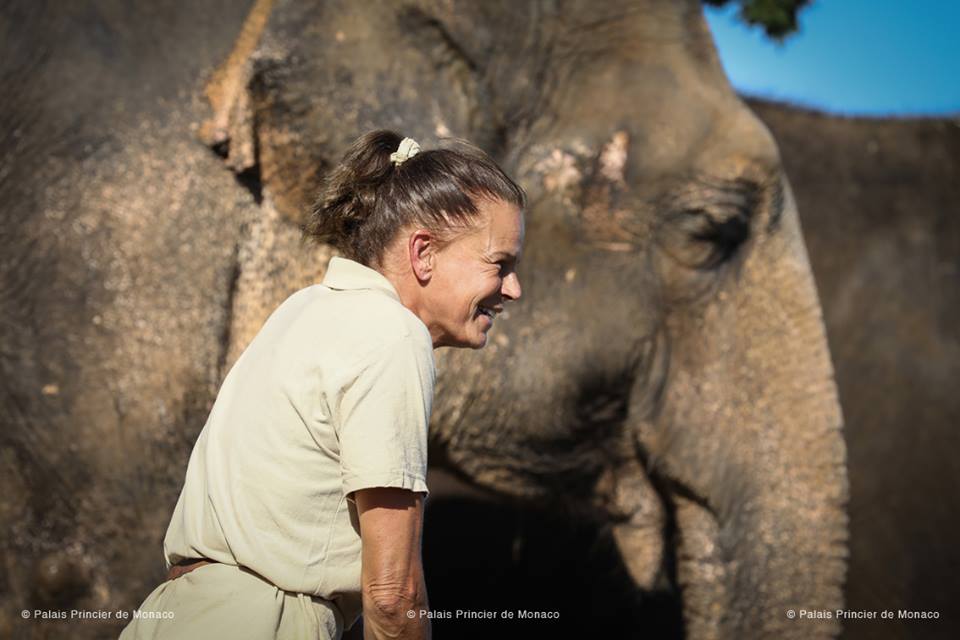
x,y
391,525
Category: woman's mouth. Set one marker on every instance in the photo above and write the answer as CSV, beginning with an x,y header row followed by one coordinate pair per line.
x,y
487,311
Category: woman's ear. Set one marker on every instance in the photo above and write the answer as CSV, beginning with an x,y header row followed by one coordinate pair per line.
x,y
422,247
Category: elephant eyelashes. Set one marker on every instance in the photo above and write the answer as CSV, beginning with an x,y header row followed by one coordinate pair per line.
x,y
723,236
705,236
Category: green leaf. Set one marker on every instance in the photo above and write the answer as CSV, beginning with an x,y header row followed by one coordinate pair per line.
x,y
778,18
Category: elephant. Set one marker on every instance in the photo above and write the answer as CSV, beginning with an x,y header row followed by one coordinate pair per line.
x,y
878,198
666,374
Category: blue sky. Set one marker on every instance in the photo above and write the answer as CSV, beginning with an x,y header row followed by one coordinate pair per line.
x,y
857,57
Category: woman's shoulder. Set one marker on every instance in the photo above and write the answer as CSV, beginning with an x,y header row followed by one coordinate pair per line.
x,y
363,315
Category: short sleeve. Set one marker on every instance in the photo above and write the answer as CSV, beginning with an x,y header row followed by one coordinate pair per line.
x,y
383,419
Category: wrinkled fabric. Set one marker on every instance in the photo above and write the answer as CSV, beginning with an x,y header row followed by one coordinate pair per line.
x,y
333,395
224,601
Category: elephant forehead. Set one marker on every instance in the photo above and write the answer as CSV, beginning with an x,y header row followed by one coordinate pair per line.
x,y
506,77
433,68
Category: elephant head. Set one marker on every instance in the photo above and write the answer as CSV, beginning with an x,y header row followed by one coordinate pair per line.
x,y
668,366
667,369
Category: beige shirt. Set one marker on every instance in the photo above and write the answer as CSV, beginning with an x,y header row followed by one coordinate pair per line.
x,y
331,396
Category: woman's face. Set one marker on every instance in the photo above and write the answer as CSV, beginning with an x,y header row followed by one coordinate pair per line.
x,y
474,276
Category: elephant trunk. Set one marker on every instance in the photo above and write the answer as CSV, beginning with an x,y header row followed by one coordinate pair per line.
x,y
750,438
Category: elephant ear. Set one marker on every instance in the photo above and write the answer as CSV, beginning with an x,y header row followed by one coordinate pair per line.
x,y
304,80
230,129
265,155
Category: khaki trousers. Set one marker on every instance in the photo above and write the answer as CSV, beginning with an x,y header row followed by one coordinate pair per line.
x,y
224,601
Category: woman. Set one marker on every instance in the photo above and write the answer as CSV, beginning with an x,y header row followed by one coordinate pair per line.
x,y
303,498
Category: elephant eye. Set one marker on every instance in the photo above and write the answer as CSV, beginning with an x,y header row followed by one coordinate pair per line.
x,y
701,239
705,236
721,235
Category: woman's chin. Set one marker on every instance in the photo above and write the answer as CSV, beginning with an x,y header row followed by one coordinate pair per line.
x,y
479,339
472,340
473,335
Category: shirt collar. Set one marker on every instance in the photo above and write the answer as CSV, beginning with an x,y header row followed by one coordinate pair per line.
x,y
344,274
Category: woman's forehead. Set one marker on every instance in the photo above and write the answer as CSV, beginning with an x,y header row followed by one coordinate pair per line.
x,y
504,238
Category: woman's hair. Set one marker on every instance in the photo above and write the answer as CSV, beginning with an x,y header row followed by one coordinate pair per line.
x,y
367,198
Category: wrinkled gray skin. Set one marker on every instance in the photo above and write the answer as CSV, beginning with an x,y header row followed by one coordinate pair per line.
x,y
879,201
666,370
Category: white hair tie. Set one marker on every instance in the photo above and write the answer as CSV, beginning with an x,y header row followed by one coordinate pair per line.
x,y
407,149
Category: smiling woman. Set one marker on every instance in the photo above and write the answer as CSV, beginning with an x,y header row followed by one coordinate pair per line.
x,y
476,276
447,218
303,501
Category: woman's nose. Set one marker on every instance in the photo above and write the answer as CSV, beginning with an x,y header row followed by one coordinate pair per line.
x,y
511,287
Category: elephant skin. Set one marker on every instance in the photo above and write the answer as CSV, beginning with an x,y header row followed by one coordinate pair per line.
x,y
666,374
880,217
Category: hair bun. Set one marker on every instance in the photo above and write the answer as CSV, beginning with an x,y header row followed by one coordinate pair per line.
x,y
407,149
365,200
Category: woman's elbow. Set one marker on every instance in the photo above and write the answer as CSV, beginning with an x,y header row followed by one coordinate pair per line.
x,y
391,599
